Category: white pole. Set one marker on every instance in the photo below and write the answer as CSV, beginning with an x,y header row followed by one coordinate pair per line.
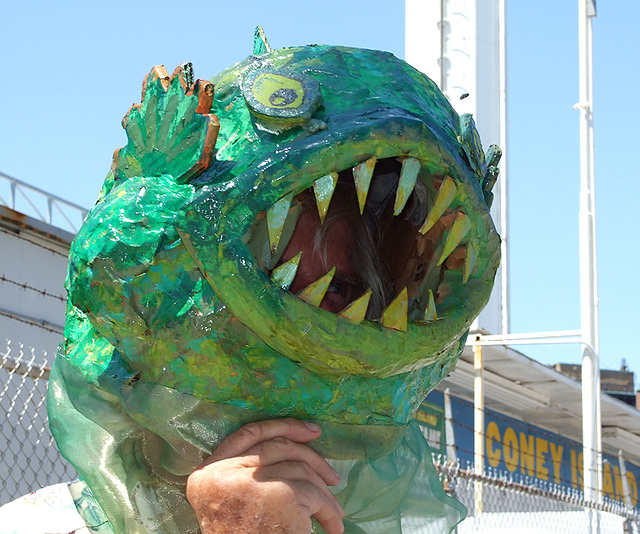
x,y
503,176
478,426
588,290
591,12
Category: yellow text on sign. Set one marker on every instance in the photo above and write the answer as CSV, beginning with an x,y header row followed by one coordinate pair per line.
x,y
534,456
542,458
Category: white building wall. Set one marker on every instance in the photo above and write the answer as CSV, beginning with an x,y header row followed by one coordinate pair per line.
x,y
460,45
33,267
33,264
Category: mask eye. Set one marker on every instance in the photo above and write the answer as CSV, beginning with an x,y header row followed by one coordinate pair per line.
x,y
286,98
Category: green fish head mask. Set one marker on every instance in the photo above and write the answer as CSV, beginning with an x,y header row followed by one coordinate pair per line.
x,y
186,272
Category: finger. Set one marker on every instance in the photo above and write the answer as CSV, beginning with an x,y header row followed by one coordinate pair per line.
x,y
251,434
296,472
279,449
320,506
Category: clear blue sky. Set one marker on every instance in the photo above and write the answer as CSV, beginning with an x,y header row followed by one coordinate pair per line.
x,y
72,69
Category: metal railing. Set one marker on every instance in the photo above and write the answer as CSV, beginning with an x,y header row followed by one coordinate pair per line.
x,y
37,203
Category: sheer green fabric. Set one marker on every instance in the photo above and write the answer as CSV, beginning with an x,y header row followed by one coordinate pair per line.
x,y
135,444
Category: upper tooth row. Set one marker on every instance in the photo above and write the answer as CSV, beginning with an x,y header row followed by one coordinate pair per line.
x,y
324,187
363,173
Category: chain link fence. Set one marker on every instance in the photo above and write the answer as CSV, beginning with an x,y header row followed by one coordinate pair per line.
x,y
496,503
29,458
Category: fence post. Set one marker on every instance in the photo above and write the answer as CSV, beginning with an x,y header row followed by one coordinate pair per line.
x,y
449,434
625,481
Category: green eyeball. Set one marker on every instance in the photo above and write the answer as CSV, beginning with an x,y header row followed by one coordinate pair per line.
x,y
282,97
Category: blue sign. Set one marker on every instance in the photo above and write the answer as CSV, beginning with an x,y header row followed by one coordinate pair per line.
x,y
530,452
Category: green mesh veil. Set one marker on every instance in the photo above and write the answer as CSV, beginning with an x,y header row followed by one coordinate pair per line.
x,y
181,324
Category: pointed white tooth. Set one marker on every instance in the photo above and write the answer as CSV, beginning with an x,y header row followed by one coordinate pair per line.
x,y
470,261
284,274
323,189
357,310
276,217
362,175
395,315
457,233
314,292
446,194
430,314
408,177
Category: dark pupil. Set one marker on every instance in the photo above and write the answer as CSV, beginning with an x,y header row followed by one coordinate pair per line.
x,y
282,97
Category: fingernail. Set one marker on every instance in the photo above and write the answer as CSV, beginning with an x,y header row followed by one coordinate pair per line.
x,y
335,473
312,426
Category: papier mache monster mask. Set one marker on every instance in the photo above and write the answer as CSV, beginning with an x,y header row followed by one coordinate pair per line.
x,y
307,235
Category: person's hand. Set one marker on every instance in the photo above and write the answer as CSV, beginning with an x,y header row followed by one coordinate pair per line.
x,y
263,479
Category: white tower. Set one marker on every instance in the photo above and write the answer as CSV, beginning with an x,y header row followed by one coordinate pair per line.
x,y
460,44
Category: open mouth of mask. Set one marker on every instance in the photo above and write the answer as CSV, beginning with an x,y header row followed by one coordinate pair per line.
x,y
371,243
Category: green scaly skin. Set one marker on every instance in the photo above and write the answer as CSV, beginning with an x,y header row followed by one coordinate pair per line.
x,y
163,287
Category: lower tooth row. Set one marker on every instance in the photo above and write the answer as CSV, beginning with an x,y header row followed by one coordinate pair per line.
x,y
357,310
395,314
430,314
393,317
315,292
284,274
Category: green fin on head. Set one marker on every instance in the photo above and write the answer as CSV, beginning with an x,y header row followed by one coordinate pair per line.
x,y
260,43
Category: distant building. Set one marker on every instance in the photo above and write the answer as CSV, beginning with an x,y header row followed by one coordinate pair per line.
x,y
618,384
